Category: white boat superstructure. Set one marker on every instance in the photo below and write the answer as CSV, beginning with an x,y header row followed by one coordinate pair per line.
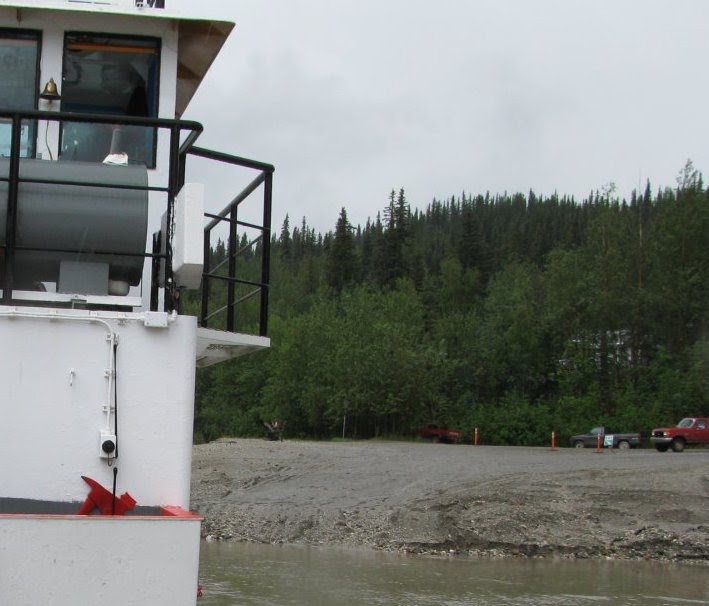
x,y
101,240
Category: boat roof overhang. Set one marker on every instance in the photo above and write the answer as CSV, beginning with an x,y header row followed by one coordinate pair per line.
x,y
199,40
199,43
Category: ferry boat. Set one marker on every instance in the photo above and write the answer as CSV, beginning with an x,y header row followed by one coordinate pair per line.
x,y
110,295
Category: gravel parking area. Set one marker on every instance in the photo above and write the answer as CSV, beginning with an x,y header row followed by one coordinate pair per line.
x,y
479,500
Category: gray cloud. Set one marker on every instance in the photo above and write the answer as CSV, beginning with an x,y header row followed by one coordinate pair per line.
x,y
352,99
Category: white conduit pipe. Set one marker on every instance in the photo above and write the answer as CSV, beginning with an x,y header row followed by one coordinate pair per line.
x,y
112,339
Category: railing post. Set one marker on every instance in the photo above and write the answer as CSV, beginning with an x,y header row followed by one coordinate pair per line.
x,y
173,185
205,280
155,273
231,287
266,248
11,215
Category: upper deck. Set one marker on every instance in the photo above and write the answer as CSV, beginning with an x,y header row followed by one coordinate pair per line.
x,y
94,211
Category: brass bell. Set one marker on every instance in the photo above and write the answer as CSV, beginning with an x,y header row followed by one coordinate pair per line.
x,y
50,92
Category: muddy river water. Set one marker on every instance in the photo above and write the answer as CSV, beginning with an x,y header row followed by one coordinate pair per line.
x,y
264,575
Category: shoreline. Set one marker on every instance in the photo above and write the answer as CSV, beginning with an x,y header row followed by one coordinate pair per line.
x,y
437,499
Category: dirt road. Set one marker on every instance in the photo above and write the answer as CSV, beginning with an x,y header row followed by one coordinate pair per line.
x,y
433,498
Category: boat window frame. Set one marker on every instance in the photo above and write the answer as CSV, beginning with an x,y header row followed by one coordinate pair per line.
x,y
99,40
20,33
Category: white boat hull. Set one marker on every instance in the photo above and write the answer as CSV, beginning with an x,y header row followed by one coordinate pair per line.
x,y
108,560
57,396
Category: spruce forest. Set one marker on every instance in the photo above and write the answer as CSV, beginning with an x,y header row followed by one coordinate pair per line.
x,y
515,314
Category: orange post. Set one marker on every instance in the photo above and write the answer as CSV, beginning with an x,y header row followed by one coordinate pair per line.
x,y
598,443
476,437
553,440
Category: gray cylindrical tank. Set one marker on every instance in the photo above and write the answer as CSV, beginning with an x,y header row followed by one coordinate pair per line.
x,y
78,218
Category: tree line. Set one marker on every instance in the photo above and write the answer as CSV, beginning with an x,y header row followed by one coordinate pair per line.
x,y
517,314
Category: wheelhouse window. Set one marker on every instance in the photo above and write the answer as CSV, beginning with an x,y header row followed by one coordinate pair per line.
x,y
19,85
114,75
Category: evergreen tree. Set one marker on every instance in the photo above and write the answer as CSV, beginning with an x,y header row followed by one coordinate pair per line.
x,y
396,215
470,246
342,260
284,241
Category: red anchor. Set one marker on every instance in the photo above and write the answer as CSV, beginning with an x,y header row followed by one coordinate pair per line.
x,y
102,499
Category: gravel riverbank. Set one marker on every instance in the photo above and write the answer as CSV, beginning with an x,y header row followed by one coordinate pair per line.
x,y
437,498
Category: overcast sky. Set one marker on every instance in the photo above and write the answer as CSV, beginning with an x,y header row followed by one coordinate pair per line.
x,y
351,99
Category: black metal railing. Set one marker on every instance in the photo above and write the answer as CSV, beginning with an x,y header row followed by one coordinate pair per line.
x,y
182,136
233,249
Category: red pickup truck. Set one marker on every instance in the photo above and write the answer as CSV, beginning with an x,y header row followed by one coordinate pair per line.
x,y
689,432
440,434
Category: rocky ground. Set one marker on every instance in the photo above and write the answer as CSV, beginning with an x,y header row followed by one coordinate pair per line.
x,y
436,498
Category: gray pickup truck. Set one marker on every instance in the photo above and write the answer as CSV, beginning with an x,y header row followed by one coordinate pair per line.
x,y
607,438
